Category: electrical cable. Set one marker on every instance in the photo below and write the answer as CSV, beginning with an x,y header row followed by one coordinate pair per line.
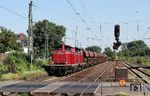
x,y
77,13
86,10
45,10
9,10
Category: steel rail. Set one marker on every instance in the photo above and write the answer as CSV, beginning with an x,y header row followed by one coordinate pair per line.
x,y
138,75
107,70
108,64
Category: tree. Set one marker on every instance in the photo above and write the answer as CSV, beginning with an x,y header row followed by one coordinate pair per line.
x,y
47,36
8,41
135,48
94,49
109,52
134,45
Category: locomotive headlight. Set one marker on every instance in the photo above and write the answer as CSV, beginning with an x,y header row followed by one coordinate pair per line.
x,y
66,62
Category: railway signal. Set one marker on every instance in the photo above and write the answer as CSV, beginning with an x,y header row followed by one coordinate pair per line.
x,y
117,32
116,45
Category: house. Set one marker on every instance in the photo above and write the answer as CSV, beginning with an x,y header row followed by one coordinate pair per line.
x,y
23,40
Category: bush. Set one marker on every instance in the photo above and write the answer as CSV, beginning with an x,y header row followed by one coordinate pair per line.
x,y
40,63
10,61
16,62
16,65
3,69
22,67
139,60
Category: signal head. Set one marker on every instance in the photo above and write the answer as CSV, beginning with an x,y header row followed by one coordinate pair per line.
x,y
117,31
116,45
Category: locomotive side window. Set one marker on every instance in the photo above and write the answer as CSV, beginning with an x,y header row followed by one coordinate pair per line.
x,y
58,48
67,47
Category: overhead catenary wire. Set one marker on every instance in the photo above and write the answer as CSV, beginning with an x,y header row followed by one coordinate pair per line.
x,y
87,12
11,11
77,13
126,22
45,10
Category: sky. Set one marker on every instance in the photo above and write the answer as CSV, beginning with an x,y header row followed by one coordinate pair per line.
x,y
93,21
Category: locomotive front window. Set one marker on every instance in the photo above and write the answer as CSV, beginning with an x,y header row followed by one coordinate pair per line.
x,y
68,48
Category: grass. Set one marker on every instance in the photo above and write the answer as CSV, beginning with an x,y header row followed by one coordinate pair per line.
x,y
23,94
26,75
141,60
17,66
147,62
10,76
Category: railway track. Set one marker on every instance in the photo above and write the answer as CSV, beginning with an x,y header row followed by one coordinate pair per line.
x,y
75,76
83,82
139,73
90,78
109,67
144,72
89,74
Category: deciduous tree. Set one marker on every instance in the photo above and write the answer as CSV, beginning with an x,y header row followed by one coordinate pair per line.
x,y
94,49
8,41
47,34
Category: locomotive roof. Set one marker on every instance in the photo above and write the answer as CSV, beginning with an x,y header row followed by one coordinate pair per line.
x,y
67,46
77,48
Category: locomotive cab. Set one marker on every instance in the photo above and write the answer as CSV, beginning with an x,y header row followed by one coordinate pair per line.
x,y
61,56
67,55
66,59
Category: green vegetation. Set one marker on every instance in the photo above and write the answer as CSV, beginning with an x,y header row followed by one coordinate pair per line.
x,y
10,64
94,49
15,64
139,60
109,53
135,51
26,75
135,48
10,76
8,41
47,32
121,94
23,94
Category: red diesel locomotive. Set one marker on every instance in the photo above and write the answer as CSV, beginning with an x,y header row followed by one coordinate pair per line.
x,y
67,59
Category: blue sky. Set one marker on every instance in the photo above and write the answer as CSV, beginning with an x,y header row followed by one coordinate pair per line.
x,y
105,13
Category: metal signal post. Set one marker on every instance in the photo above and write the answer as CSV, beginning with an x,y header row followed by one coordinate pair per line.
x,y
116,44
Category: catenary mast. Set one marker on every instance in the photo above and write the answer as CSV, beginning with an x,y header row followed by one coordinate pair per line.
x,y
30,34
